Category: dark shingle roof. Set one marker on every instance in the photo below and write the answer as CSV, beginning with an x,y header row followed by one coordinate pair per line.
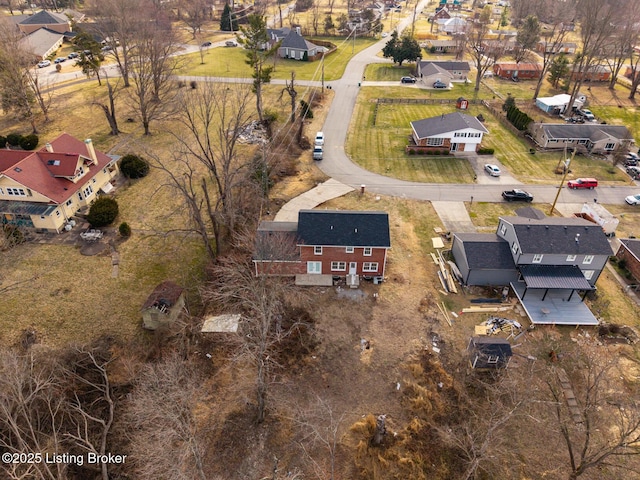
x,y
558,236
44,18
463,66
554,276
592,131
633,245
344,228
451,122
293,40
432,69
166,292
486,251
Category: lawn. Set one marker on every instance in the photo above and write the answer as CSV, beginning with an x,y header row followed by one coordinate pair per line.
x,y
230,62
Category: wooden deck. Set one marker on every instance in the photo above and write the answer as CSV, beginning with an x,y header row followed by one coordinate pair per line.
x,y
556,309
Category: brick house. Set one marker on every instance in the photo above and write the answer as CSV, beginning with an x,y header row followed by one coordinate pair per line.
x,y
629,251
450,132
524,71
324,243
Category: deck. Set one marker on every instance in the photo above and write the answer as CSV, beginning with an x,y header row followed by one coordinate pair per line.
x,y
555,309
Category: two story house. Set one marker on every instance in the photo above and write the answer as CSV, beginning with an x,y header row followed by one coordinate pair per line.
x,y
324,243
45,188
451,132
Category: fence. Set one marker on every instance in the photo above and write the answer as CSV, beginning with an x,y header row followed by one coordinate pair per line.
x,y
422,101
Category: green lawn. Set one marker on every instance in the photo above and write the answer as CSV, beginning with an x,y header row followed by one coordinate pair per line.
x,y
230,62
380,147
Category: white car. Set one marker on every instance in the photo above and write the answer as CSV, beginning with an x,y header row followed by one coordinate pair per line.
x,y
633,199
587,114
44,63
492,170
385,34
319,140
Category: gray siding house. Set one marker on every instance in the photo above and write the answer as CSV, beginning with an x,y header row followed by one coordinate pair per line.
x,y
459,70
295,47
483,259
592,137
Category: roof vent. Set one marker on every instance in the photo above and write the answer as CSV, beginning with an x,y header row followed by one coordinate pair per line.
x,y
355,230
18,169
565,227
547,227
577,238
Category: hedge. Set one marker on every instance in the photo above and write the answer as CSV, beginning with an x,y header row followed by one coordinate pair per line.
x,y
102,212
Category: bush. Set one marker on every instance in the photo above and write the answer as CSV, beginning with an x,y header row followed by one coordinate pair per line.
x,y
3,141
30,141
411,151
14,139
485,151
193,84
133,166
103,212
124,229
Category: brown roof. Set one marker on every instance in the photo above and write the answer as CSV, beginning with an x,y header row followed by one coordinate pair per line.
x,y
38,170
519,66
167,291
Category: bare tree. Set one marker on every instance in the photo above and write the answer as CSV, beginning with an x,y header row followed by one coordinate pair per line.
x,y
162,419
293,94
110,108
552,47
32,413
603,430
93,402
527,38
621,44
196,11
315,17
634,60
477,45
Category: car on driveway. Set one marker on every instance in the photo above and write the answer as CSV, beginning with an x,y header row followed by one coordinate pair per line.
x,y
73,55
44,63
385,34
60,60
517,195
590,183
492,169
587,114
633,199
408,80
634,172
439,84
230,43
631,160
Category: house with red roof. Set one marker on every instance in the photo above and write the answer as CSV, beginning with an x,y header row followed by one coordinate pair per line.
x,y
45,188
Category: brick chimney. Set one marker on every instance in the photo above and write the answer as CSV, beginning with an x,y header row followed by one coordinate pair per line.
x,y
91,150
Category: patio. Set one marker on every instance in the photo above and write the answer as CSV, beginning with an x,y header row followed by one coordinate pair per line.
x,y
559,307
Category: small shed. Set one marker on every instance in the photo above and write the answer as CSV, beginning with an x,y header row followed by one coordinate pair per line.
x,y
163,306
487,353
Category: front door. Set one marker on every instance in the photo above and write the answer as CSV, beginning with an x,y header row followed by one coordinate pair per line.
x,y
353,267
454,147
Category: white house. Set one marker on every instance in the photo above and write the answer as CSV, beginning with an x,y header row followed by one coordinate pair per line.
x,y
455,132
453,25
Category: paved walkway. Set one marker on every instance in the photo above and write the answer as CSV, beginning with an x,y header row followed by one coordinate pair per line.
x,y
311,199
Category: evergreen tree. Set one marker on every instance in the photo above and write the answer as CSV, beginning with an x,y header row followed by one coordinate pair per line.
x,y
558,70
228,21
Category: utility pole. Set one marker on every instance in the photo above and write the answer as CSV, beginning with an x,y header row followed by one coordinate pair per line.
x,y
322,77
413,22
567,164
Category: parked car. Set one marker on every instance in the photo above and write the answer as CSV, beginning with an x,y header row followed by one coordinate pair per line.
x,y
408,80
317,152
44,63
230,43
206,44
319,140
439,84
633,199
492,170
587,114
517,195
582,183
60,60
106,48
631,160
385,34
634,172
73,55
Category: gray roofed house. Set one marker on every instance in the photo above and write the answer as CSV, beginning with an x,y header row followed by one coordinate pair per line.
x,y
483,259
42,43
594,137
294,46
432,73
344,228
454,131
458,70
44,19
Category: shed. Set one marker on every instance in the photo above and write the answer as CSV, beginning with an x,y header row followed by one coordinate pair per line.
x,y
487,353
557,104
163,306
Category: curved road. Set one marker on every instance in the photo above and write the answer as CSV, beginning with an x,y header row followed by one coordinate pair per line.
x,y
339,166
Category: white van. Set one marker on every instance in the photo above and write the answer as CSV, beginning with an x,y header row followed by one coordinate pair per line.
x,y
319,141
317,153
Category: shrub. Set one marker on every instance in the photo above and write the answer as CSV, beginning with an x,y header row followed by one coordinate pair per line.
x,y
193,84
124,229
30,141
485,151
133,166
411,151
14,139
103,212
3,141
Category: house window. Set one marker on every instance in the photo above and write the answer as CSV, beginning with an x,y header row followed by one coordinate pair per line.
x,y
348,250
80,171
514,248
104,170
69,202
571,258
317,250
57,213
88,191
1,192
93,180
80,195
435,142
370,267
16,191
588,274
314,267
503,229
493,359
587,259
338,266
537,258
42,217
610,146
582,142
367,251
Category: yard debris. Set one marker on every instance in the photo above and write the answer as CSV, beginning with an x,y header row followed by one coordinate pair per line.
x,y
443,310
446,278
495,325
364,344
252,133
480,309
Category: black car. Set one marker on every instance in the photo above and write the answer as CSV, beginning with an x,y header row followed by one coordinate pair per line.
x,y
517,195
408,80
73,55
439,84
206,44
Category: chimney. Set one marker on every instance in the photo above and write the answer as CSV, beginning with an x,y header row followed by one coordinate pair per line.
x,y
298,31
48,147
91,150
